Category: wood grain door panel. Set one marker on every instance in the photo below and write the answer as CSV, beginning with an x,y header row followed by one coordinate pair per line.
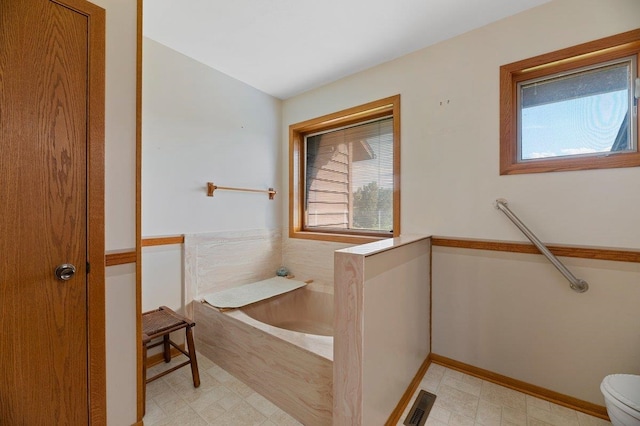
x,y
43,221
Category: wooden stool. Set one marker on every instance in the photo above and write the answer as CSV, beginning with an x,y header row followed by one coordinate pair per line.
x,y
160,323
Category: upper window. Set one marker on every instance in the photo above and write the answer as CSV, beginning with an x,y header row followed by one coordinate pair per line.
x,y
572,109
345,173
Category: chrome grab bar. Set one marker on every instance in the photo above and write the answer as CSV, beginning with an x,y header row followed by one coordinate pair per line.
x,y
576,284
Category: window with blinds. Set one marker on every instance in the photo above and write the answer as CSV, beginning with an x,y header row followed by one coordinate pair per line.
x,y
572,109
344,174
586,112
349,178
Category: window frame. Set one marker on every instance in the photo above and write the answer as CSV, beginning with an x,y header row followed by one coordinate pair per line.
x,y
349,117
565,60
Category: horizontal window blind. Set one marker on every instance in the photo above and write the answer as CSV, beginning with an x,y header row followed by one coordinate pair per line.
x,y
349,178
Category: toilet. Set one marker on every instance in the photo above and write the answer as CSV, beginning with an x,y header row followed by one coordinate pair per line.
x,y
622,398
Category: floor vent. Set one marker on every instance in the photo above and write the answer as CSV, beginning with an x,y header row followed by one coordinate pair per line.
x,y
420,411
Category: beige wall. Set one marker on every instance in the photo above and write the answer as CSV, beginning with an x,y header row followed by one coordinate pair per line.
x,y
121,345
120,198
450,179
200,125
450,164
514,314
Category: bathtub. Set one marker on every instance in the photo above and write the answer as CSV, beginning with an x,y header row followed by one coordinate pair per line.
x,y
281,347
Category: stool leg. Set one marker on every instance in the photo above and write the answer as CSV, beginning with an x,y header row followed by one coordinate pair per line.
x,y
192,357
167,348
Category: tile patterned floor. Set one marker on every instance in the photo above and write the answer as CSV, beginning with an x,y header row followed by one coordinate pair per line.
x,y
462,400
220,400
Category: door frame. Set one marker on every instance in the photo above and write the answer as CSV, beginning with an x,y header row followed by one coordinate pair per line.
x,y
96,338
141,375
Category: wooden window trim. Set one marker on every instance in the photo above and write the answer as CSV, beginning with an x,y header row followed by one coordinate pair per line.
x,y
297,133
594,52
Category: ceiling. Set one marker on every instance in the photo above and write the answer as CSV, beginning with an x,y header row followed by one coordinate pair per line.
x,y
286,47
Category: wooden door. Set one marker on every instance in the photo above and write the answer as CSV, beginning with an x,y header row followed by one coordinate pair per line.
x,y
46,373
